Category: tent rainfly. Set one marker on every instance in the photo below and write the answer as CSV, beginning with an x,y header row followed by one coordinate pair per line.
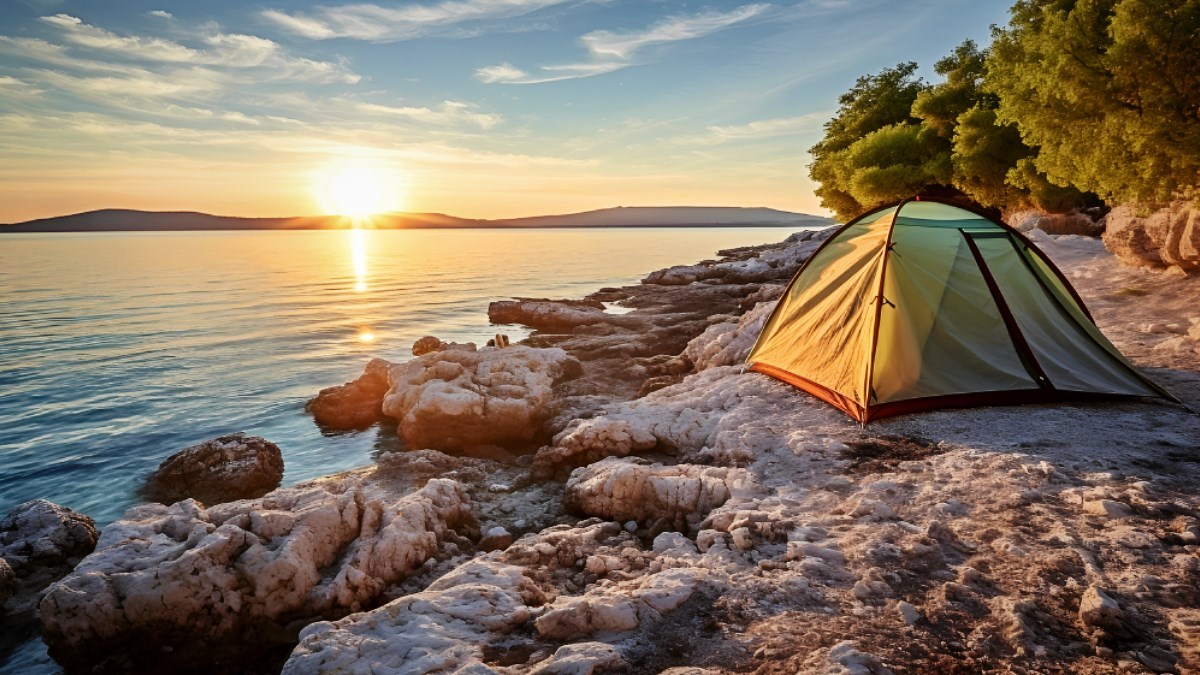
x,y
928,304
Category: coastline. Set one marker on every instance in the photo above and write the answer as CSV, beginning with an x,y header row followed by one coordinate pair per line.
x,y
674,495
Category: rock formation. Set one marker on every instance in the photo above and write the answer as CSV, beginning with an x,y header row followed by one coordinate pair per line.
x,y
551,315
40,538
220,470
1167,237
1072,222
354,405
170,585
458,401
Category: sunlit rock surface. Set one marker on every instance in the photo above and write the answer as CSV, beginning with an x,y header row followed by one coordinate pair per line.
x,y
357,404
457,401
219,583
729,343
220,470
1167,237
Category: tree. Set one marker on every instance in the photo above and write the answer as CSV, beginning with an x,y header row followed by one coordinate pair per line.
x,y
873,103
1108,91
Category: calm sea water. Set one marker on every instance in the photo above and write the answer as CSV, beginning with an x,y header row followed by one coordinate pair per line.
x,y
119,349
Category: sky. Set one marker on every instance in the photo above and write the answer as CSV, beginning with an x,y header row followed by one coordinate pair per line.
x,y
476,108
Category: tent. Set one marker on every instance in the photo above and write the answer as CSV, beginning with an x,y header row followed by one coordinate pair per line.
x,y
930,304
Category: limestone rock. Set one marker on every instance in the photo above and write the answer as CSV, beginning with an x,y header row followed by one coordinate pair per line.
x,y
173,584
1107,508
587,441
223,469
730,342
614,610
354,405
1098,610
1072,222
442,629
554,315
583,658
39,537
496,539
457,401
844,657
632,489
426,345
1167,237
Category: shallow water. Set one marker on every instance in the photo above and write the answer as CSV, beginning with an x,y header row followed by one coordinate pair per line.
x,y
119,349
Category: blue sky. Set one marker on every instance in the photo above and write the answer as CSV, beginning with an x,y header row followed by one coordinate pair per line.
x,y
484,108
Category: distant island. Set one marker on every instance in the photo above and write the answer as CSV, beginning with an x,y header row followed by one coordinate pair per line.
x,y
125,220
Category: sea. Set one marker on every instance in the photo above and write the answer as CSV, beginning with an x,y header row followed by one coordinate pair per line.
x,y
118,349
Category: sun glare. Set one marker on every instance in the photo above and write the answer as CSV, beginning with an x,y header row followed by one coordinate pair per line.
x,y
357,190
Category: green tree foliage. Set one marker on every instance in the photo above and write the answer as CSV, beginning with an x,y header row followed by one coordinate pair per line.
x,y
940,106
1107,90
875,102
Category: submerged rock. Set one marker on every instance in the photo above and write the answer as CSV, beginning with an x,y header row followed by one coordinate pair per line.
x,y
1167,237
220,470
354,405
179,585
461,401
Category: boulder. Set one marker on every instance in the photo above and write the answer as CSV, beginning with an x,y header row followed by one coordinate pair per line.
x,y
220,470
630,488
40,537
1072,222
553,315
442,629
1169,236
461,401
354,405
173,586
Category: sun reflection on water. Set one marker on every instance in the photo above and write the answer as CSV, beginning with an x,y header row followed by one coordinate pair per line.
x,y
358,257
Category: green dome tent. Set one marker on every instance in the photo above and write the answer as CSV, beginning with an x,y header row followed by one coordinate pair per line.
x,y
928,304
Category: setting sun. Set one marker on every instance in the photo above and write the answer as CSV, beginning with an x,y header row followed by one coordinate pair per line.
x,y
357,190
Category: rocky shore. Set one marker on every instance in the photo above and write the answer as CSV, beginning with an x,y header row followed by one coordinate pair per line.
x,y
617,494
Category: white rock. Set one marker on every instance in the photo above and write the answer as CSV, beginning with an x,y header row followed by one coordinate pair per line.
x,y
1107,508
457,400
221,579
630,489
583,658
441,629
730,342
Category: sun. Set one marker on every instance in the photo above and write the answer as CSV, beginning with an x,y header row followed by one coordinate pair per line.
x,y
355,190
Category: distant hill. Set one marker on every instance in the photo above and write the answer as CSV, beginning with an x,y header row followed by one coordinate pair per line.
x,y
125,220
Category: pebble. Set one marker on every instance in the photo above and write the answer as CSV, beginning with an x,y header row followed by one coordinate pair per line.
x,y
908,612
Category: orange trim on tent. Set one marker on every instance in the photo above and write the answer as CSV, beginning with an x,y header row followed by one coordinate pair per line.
x,y
843,403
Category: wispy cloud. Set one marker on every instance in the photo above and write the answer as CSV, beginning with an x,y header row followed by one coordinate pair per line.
x,y
449,113
612,51
609,44
506,73
162,14
378,23
11,86
757,130
225,50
